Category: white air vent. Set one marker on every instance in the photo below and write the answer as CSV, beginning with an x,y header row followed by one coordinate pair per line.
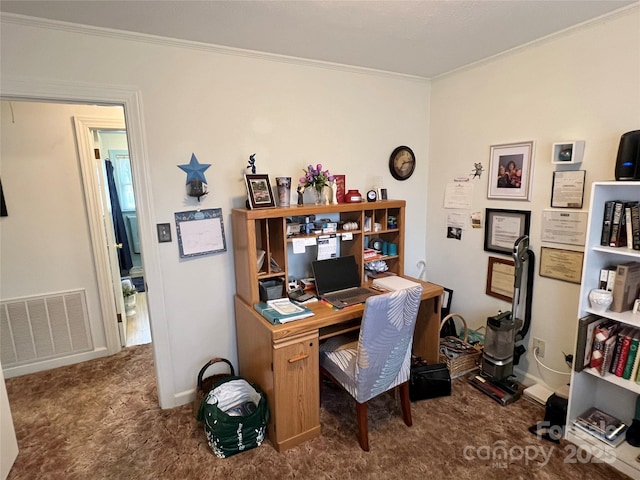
x,y
39,328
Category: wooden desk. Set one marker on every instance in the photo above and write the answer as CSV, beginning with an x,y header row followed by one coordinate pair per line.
x,y
284,359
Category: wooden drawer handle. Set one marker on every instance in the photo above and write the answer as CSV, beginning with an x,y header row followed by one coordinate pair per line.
x,y
297,358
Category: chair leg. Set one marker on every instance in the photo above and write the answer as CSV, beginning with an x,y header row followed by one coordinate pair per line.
x,y
405,403
363,426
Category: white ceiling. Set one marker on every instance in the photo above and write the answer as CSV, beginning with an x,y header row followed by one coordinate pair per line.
x,y
421,37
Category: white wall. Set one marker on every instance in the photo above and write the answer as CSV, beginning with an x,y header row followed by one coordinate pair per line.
x,y
583,85
224,107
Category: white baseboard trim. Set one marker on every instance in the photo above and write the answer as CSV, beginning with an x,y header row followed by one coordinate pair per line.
x,y
41,366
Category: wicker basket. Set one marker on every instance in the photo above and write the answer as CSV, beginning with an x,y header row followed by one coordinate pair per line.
x,y
205,385
467,360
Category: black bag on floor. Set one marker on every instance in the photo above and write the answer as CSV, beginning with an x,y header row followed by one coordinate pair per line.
x,y
235,415
428,381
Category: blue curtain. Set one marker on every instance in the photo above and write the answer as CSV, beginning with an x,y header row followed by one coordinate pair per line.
x,y
124,253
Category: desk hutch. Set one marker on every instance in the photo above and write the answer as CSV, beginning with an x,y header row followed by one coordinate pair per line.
x,y
283,359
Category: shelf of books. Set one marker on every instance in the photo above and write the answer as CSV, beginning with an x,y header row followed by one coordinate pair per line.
x,y
605,382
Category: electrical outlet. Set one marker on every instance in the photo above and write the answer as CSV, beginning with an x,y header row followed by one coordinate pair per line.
x,y
539,344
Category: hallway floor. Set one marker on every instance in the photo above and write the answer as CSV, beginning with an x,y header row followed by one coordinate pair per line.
x,y
138,327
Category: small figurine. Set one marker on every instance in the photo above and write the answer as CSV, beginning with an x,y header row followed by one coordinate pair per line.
x,y
478,170
334,192
252,163
300,194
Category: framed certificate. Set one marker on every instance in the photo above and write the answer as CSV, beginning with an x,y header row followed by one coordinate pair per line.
x,y
503,227
561,264
568,189
564,226
500,278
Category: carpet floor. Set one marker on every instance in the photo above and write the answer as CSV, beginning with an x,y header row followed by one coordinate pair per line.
x,y
101,420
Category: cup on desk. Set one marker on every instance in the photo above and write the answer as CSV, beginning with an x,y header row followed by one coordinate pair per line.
x,y
392,248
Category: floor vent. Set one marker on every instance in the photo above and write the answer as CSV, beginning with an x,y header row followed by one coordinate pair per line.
x,y
34,329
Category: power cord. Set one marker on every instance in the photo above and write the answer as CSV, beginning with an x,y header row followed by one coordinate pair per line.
x,y
535,355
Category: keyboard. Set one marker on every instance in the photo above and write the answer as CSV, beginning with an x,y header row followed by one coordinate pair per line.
x,y
356,292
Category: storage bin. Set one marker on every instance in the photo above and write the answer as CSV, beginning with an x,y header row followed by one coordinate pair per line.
x,y
270,289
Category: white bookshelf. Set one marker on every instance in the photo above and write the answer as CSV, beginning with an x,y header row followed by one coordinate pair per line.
x,y
610,393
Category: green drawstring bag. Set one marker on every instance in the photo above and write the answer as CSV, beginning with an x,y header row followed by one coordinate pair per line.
x,y
235,415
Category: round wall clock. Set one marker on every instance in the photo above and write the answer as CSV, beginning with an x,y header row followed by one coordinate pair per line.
x,y
402,163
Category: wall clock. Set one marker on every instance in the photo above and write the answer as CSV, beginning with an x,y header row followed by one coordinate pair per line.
x,y
402,163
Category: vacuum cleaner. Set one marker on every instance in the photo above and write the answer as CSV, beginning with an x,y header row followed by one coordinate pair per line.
x,y
503,331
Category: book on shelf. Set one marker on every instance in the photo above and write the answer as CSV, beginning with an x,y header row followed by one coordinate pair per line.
x,y
275,317
626,287
601,334
634,371
617,350
607,355
625,342
607,278
584,344
632,211
602,425
633,355
618,230
606,222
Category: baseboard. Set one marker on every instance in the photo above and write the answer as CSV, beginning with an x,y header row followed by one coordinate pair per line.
x,y
184,397
41,366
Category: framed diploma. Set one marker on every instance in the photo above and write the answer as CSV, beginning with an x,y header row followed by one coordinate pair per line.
x,y
500,275
568,189
503,227
561,264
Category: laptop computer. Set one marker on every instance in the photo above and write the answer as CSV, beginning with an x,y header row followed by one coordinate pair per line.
x,y
338,281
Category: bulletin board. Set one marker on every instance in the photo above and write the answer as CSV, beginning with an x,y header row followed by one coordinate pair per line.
x,y
200,232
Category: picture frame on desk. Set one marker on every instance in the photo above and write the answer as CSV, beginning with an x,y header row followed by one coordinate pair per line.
x,y
503,227
259,193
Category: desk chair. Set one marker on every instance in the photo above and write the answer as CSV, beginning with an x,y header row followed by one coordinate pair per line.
x,y
380,358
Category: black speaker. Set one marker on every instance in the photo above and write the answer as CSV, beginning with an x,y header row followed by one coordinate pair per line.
x,y
628,161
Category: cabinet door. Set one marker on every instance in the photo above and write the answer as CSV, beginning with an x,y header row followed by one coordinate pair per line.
x,y
296,388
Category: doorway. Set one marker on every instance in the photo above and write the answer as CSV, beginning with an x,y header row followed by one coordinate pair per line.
x,y
129,97
52,242
112,157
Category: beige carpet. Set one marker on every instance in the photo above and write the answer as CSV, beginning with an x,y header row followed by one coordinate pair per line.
x,y
100,420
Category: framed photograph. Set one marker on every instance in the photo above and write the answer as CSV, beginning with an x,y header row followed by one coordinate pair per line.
x,y
503,227
500,275
164,232
511,171
568,189
259,191
561,264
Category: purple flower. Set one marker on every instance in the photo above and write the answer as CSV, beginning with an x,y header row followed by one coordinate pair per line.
x,y
315,177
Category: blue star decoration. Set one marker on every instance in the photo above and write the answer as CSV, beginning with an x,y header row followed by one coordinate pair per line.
x,y
195,170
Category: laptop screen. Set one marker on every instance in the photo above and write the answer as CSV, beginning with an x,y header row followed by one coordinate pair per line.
x,y
335,274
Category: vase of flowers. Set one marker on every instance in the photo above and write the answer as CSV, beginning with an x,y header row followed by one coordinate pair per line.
x,y
317,179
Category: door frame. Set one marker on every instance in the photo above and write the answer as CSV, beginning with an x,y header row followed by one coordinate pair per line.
x,y
101,235
21,88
